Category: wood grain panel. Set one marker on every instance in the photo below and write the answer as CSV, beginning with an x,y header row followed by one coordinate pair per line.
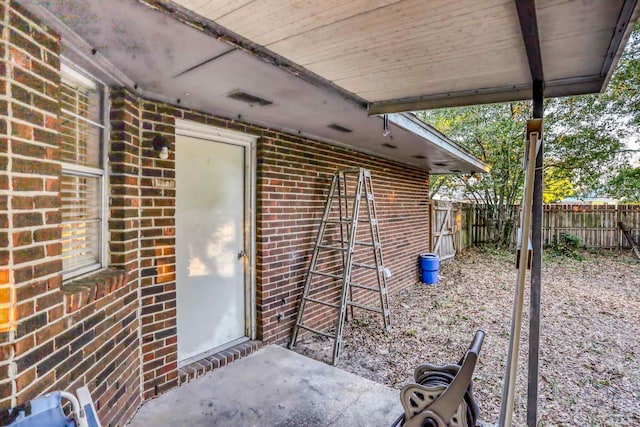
x,y
575,55
396,25
494,70
575,36
560,19
214,9
192,4
390,57
281,19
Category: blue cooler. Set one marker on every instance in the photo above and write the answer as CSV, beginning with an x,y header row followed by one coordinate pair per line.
x,y
429,266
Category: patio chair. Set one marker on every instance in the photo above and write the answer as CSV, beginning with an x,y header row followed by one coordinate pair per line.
x,y
47,411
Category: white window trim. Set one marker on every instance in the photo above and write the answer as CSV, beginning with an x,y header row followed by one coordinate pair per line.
x,y
75,75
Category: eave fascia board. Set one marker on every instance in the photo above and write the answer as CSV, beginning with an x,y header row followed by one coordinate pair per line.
x,y
553,88
629,15
416,126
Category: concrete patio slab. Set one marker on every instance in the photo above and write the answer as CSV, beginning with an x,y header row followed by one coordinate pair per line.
x,y
274,387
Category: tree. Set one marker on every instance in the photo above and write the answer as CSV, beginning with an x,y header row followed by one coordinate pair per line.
x,y
492,133
624,89
557,186
584,147
626,185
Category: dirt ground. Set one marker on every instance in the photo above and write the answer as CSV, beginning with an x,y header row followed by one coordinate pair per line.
x,y
590,336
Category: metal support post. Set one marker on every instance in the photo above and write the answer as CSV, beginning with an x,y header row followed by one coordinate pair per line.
x,y
536,266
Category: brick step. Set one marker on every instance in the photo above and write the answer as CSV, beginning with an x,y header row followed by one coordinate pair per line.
x,y
217,360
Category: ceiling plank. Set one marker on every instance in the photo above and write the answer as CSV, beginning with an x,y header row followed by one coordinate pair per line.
x,y
529,26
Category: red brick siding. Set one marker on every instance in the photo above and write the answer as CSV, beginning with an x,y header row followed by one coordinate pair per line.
x,y
294,179
124,396
124,345
30,83
7,310
157,253
61,340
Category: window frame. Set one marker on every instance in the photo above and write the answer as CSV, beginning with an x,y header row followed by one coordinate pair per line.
x,y
73,73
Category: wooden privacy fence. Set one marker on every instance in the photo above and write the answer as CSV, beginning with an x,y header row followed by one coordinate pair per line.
x,y
596,226
443,229
456,226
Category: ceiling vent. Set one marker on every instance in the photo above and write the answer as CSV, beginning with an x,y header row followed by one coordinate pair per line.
x,y
339,128
440,164
419,156
386,144
241,96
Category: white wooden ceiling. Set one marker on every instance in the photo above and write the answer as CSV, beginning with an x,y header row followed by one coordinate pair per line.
x,y
162,58
386,50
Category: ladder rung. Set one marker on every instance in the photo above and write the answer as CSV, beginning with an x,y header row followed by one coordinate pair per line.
x,y
315,331
334,276
317,301
368,288
339,221
370,244
333,248
365,307
371,267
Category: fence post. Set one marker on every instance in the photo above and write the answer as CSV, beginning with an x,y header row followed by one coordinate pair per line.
x,y
431,227
619,232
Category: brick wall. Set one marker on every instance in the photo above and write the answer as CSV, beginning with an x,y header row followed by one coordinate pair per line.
x,y
66,335
7,307
157,257
294,175
116,331
294,180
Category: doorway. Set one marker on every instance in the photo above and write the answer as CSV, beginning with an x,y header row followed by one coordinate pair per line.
x,y
214,239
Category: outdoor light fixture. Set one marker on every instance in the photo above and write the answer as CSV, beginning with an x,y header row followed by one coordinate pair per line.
x,y
161,144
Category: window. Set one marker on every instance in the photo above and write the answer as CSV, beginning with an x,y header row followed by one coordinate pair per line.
x,y
82,186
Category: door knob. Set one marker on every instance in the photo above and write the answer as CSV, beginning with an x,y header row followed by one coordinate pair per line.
x,y
242,254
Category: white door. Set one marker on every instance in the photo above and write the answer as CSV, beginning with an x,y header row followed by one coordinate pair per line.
x,y
210,245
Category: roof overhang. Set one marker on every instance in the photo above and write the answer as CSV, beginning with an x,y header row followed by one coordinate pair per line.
x,y
403,55
127,43
416,126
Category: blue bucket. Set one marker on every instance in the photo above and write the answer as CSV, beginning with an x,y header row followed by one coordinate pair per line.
x,y
429,266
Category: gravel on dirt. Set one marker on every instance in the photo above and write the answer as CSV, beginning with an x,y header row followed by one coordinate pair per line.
x,y
590,335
